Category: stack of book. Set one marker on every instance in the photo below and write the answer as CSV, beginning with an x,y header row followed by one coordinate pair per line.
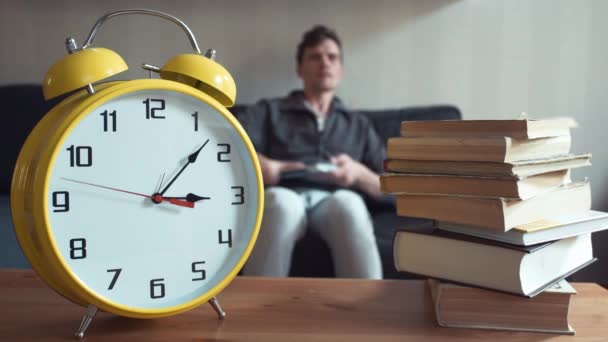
x,y
510,224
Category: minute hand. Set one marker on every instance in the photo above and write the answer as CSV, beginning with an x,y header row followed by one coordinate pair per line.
x,y
191,159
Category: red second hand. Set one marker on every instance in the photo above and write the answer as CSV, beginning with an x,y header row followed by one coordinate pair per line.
x,y
156,198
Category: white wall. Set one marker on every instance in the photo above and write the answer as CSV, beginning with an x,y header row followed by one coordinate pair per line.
x,y
493,59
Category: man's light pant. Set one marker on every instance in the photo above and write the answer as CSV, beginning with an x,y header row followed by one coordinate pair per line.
x,y
340,218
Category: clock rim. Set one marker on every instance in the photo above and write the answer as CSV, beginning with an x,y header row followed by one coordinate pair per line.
x,y
41,179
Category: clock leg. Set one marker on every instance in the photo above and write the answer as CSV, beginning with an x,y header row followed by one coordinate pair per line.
x,y
86,320
215,304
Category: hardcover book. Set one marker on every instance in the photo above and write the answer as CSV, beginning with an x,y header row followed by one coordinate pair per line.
x,y
505,187
524,271
497,214
520,128
478,149
517,169
460,306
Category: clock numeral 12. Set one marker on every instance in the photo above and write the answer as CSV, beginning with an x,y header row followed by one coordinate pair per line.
x,y
106,117
80,156
157,288
151,110
220,238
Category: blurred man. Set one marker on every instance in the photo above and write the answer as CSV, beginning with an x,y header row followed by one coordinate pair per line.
x,y
311,129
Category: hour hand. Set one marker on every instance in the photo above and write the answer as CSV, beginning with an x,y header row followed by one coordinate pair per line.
x,y
190,198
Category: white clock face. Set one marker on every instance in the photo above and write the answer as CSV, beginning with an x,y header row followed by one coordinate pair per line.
x,y
147,146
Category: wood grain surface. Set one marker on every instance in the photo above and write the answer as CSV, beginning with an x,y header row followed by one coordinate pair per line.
x,y
273,309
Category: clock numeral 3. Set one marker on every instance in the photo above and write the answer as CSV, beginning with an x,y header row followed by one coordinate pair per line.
x,y
225,153
157,288
107,117
115,277
78,248
197,267
61,201
240,195
151,108
220,238
80,156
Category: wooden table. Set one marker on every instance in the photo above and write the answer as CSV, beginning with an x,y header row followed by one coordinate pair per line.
x,y
267,309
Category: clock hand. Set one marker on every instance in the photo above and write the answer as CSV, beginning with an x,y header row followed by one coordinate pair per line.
x,y
160,182
191,159
155,198
190,198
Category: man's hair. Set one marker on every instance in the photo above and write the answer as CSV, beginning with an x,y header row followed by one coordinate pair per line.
x,y
314,37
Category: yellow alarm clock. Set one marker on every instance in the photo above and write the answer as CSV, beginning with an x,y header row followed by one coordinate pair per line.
x,y
142,198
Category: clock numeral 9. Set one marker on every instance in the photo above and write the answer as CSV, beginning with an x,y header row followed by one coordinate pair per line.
x,y
197,269
223,153
195,116
157,288
78,248
220,238
115,277
61,201
240,195
80,156
106,117
151,108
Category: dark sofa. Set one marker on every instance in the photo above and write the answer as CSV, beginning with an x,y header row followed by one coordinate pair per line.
x,y
312,256
24,106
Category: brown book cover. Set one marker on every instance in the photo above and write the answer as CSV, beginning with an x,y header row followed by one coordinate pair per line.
x,y
519,128
518,169
505,187
520,270
480,149
498,214
460,306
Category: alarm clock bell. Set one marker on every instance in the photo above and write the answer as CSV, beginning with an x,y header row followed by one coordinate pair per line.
x,y
84,66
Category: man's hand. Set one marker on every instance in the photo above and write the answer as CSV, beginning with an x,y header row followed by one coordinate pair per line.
x,y
348,171
272,168
352,174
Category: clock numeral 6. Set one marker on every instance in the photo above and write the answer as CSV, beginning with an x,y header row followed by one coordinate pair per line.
x,y
151,108
115,277
240,195
61,201
80,156
221,154
220,237
197,267
111,116
78,248
157,288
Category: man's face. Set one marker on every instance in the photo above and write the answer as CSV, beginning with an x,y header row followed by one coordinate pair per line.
x,y
321,66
